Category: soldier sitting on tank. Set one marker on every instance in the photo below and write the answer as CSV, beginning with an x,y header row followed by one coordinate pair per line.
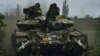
x,y
35,11
56,10
49,12
38,11
51,15
31,12
48,17
53,12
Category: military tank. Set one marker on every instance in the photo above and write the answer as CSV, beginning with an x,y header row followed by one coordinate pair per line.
x,y
39,37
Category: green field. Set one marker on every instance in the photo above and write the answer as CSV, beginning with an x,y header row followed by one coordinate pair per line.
x,y
97,38
92,29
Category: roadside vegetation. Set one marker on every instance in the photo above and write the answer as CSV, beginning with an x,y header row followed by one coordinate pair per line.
x,y
2,33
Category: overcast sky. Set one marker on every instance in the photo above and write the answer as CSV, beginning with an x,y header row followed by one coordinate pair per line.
x,y
76,7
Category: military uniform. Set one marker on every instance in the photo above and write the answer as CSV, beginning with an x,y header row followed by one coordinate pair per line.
x,y
34,11
53,12
38,11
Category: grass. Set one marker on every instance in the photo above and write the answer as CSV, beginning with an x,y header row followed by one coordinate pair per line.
x,y
97,38
96,28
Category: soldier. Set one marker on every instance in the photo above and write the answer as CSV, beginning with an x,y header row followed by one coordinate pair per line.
x,y
35,11
56,10
31,11
38,11
37,6
53,11
48,15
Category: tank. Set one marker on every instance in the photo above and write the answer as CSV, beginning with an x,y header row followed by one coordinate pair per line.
x,y
40,37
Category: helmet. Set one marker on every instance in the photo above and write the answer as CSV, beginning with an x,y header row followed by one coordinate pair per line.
x,y
51,5
54,5
37,4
